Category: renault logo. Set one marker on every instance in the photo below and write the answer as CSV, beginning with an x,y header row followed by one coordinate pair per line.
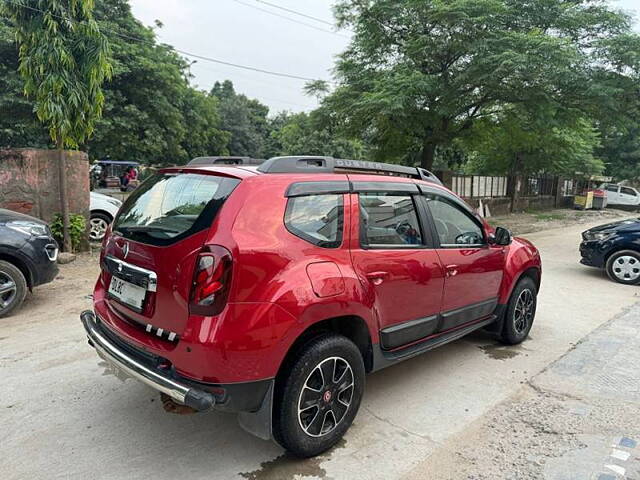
x,y
125,250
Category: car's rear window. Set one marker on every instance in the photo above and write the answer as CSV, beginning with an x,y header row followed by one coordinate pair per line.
x,y
169,207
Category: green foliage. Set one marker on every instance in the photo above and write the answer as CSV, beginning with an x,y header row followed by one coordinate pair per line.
x,y
310,134
245,119
529,141
63,60
77,229
419,74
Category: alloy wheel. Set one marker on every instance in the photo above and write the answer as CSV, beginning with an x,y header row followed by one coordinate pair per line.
x,y
98,228
8,291
626,268
523,313
325,397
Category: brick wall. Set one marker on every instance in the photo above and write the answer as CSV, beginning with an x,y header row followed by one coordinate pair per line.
x,y
29,182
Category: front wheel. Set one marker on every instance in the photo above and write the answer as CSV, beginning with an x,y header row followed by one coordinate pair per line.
x,y
521,310
318,395
99,223
624,267
13,288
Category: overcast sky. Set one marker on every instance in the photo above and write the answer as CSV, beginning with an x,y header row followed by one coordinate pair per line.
x,y
242,32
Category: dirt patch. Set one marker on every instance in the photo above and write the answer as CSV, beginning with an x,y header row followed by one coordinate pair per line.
x,y
535,221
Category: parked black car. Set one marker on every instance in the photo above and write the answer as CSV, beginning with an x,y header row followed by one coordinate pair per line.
x,y
616,248
28,255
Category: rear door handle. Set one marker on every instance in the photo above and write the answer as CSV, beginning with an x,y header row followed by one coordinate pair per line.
x,y
451,270
377,277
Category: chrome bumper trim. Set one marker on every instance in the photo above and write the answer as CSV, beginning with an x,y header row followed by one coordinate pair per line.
x,y
182,393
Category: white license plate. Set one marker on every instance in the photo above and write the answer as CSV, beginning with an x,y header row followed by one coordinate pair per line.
x,y
127,293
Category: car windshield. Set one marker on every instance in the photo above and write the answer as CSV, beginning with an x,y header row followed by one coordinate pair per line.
x,y
171,206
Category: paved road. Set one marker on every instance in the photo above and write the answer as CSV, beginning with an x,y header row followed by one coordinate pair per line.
x,y
576,420
64,415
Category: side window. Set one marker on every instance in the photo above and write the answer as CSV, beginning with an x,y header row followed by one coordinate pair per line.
x,y
628,191
454,226
612,188
388,220
318,219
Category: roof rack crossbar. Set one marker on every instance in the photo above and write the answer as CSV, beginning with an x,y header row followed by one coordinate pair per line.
x,y
221,161
310,164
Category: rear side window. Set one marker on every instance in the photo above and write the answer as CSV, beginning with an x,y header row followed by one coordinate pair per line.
x,y
612,188
169,207
318,219
388,221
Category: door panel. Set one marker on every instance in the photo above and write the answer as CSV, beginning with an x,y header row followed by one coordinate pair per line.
x,y
404,279
473,269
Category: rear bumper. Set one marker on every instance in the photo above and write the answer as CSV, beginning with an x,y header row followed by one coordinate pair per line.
x,y
180,392
153,370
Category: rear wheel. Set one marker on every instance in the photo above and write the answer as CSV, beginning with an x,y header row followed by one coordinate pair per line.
x,y
13,288
624,267
318,395
521,310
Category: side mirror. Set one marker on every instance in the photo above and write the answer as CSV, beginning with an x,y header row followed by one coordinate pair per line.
x,y
501,236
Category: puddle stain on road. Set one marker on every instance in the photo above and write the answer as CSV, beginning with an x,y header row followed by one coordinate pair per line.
x,y
500,352
289,467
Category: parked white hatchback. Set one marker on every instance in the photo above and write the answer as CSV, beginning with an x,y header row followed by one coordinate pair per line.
x,y
103,211
620,195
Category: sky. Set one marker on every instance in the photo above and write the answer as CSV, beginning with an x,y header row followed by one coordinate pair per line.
x,y
243,32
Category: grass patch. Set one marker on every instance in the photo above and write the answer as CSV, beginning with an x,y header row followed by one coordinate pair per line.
x,y
547,217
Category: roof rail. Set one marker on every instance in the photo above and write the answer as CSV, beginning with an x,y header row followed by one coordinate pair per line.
x,y
221,161
310,164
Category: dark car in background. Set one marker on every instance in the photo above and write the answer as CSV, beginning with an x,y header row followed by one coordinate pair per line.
x,y
28,255
616,248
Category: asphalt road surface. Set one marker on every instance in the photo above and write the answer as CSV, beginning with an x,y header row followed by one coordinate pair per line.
x,y
64,415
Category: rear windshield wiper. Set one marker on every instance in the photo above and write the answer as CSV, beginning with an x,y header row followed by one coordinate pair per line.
x,y
147,228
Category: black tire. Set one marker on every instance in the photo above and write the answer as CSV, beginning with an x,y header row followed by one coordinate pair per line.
x,y
97,234
14,288
624,267
520,312
321,425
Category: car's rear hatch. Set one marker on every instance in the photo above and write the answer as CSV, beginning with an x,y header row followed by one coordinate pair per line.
x,y
148,262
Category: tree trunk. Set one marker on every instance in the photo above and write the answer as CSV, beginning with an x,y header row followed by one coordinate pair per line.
x,y
64,202
428,154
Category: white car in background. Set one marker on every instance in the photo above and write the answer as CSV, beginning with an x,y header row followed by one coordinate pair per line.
x,y
103,210
621,195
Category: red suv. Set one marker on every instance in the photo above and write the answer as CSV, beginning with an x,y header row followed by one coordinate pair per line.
x,y
271,290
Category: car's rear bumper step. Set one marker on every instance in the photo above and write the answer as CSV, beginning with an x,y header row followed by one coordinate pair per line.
x,y
180,392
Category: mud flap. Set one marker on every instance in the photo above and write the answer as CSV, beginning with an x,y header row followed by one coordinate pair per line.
x,y
258,423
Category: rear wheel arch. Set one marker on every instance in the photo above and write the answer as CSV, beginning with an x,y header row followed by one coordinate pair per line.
x,y
350,326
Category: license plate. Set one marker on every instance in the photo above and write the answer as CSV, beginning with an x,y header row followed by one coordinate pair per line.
x,y
127,293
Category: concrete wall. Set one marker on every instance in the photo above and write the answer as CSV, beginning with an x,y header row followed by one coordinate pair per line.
x,y
29,182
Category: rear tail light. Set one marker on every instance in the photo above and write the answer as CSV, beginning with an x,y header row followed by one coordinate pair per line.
x,y
211,281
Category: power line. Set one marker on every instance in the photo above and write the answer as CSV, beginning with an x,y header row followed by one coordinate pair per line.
x,y
289,19
183,52
296,13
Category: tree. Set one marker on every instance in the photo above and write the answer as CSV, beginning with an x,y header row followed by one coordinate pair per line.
x,y
419,73
244,118
309,134
522,141
64,59
152,113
